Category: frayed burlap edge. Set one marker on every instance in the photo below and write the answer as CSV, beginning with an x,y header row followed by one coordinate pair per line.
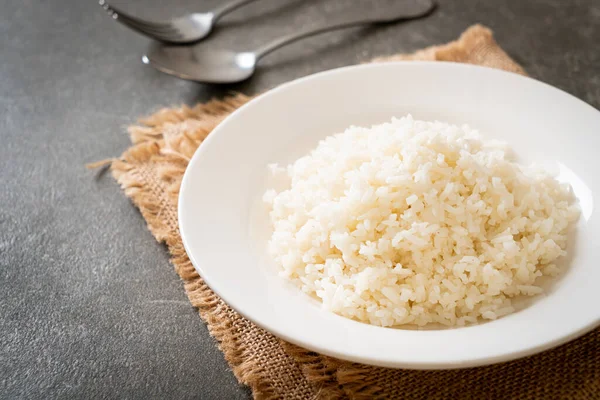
x,y
150,173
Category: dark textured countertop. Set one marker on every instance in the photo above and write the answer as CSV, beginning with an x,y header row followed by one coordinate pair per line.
x,y
89,305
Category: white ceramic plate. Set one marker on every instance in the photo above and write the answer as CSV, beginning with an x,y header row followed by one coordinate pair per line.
x,y
224,225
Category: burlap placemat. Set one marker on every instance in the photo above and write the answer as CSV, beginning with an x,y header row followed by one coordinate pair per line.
x,y
150,173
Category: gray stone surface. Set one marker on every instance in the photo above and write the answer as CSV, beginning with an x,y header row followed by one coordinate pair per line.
x,y
89,306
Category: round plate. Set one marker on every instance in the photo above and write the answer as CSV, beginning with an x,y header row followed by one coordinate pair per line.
x,y
225,227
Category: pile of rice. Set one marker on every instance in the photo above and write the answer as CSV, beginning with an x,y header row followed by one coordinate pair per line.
x,y
415,222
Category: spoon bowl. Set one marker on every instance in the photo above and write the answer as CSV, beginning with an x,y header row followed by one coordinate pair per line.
x,y
196,64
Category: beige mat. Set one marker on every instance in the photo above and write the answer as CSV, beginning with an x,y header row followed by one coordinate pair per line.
x,y
150,173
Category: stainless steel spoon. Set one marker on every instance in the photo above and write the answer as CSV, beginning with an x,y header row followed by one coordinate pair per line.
x,y
220,66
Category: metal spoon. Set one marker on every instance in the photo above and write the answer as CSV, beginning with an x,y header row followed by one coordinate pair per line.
x,y
220,66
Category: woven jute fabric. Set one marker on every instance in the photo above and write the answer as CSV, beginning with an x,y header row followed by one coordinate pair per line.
x,y
150,173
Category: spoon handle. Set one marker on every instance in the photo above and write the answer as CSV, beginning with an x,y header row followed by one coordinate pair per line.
x,y
420,8
226,8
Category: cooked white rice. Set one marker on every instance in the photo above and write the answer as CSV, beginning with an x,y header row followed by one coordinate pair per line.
x,y
415,222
